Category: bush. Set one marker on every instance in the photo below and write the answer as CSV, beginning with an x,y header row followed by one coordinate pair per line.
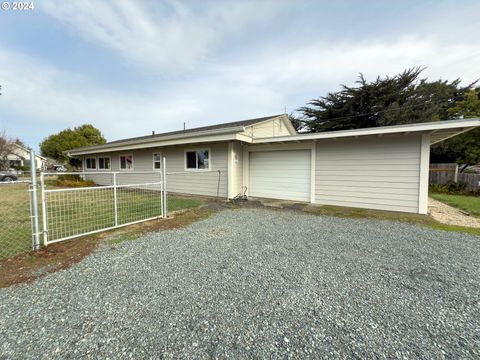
x,y
22,168
72,181
449,188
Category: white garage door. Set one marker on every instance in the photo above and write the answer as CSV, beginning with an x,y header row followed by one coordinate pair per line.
x,y
280,174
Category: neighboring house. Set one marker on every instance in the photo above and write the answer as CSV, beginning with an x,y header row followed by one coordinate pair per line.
x,y
377,168
20,156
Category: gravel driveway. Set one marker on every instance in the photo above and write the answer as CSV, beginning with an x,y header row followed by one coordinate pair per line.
x,y
257,283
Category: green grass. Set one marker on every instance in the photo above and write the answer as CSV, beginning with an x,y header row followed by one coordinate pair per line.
x,y
471,204
15,228
415,219
75,213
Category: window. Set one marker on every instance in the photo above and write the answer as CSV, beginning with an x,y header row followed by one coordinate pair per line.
x,y
197,160
104,163
126,162
157,161
90,163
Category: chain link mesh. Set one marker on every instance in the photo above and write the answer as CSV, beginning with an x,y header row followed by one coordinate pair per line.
x,y
15,219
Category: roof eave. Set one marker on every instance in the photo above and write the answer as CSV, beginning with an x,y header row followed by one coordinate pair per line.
x,y
152,142
454,127
157,144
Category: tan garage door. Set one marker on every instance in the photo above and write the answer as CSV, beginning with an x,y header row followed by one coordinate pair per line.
x,y
280,174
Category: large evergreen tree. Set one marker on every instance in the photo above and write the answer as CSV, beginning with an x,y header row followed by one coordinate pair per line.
x,y
465,148
401,99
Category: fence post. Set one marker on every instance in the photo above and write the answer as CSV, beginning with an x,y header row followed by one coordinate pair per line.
x,y
33,194
115,203
455,176
44,209
160,173
165,199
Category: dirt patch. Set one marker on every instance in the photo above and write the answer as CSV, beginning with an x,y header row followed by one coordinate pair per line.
x,y
33,265
30,266
447,214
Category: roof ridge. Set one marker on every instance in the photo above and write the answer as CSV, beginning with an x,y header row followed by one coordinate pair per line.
x,y
246,122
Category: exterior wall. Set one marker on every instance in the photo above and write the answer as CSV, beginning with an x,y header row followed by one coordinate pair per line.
x,y
22,156
370,172
197,182
201,182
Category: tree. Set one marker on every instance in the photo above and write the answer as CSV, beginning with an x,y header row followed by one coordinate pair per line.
x,y
401,99
55,145
6,148
465,148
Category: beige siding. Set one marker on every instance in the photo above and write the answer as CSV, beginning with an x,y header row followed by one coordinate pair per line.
x,y
372,172
197,182
269,128
188,182
237,168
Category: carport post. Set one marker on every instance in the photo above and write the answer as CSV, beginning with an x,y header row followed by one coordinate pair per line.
x,y
33,194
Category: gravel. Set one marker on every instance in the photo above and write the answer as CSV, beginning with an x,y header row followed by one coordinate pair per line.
x,y
257,283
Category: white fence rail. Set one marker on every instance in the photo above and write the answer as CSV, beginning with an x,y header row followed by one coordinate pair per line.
x,y
73,212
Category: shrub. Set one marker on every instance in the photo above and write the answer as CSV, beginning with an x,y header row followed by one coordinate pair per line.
x,y
22,168
449,188
72,181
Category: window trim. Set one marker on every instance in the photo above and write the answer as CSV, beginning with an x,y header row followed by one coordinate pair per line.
x,y
197,149
120,162
91,168
109,162
153,161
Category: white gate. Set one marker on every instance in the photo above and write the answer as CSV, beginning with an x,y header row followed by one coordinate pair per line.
x,y
115,199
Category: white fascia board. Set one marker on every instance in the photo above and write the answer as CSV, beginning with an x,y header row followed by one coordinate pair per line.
x,y
156,144
200,136
244,138
459,125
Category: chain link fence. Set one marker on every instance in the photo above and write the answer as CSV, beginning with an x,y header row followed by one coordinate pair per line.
x,y
52,210
15,219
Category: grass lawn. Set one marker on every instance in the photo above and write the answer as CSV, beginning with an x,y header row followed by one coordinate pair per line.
x,y
75,212
416,219
471,204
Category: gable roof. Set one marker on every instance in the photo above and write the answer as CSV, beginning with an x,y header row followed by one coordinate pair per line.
x,y
27,151
224,128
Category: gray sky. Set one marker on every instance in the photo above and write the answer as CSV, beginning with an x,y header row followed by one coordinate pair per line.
x,y
130,67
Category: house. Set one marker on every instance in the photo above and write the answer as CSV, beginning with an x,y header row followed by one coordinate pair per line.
x,y
20,156
382,168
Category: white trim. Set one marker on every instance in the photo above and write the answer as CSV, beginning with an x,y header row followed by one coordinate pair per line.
x,y
424,171
109,162
230,167
164,140
279,147
153,160
200,148
120,162
91,168
246,167
460,125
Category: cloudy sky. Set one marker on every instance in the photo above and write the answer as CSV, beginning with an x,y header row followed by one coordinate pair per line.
x,y
130,67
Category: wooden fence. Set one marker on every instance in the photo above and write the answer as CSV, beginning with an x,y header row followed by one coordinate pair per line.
x,y
444,173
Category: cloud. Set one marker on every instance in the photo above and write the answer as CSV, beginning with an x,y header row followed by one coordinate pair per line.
x,y
166,36
262,80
